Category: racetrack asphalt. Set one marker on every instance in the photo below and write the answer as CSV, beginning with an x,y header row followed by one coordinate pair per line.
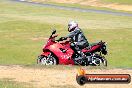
x,y
75,8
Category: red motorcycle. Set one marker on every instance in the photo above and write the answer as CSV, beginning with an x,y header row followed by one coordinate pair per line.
x,y
58,52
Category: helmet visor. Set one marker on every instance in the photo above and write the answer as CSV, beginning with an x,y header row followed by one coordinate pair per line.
x,y
69,27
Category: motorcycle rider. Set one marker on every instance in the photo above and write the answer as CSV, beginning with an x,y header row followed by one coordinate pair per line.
x,y
78,38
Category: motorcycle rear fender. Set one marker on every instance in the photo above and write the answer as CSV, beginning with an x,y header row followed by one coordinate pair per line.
x,y
93,48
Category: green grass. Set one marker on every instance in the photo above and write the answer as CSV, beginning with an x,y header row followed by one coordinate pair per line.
x,y
21,23
119,1
6,83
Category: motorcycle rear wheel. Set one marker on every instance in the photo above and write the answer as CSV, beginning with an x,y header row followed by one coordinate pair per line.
x,y
96,62
101,59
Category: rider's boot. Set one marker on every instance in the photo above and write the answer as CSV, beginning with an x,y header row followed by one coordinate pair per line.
x,y
81,54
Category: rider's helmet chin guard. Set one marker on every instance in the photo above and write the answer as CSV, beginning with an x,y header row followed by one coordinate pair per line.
x,y
72,26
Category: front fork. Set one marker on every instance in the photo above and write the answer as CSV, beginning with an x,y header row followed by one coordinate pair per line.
x,y
39,59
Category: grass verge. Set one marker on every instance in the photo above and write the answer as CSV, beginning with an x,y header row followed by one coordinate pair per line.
x,y
7,83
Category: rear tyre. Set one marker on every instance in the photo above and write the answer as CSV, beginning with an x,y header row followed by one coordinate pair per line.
x,y
96,62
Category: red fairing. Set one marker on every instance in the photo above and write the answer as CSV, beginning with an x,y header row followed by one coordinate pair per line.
x,y
49,42
56,48
64,58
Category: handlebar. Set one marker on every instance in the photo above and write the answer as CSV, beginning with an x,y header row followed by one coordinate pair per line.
x,y
61,39
53,35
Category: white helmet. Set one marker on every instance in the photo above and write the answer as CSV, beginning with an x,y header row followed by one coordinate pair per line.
x,y
72,25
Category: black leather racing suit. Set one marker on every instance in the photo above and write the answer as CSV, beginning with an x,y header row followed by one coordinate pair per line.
x,y
78,37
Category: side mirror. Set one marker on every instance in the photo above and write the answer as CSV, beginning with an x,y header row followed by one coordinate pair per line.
x,y
53,32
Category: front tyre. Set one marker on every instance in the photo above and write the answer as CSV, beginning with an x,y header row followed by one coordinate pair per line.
x,y
48,60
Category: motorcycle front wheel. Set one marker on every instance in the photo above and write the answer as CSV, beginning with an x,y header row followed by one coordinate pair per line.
x,y
47,60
